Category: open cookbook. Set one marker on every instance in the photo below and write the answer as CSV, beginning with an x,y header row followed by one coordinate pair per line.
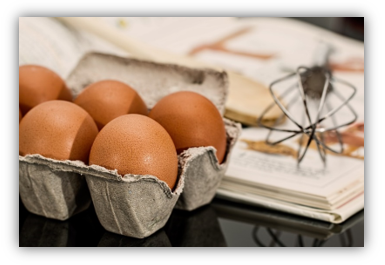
x,y
261,49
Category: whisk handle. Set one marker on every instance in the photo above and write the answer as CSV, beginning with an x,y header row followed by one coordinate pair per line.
x,y
322,56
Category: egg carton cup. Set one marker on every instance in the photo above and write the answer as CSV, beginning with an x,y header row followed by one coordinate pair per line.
x,y
130,205
47,189
202,172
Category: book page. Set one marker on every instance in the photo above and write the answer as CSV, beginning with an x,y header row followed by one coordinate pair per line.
x,y
47,42
257,168
178,35
261,48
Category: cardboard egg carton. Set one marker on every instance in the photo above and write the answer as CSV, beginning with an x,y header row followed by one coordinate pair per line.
x,y
130,205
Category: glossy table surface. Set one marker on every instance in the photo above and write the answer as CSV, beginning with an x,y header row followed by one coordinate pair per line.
x,y
219,224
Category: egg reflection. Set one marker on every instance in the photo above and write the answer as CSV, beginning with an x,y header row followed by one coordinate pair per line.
x,y
159,239
199,228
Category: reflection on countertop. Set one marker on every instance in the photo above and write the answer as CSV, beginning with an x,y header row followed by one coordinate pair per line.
x,y
81,230
219,224
199,228
245,225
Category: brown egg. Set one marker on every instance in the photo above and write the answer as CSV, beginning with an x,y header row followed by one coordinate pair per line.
x,y
192,121
108,99
57,129
136,144
38,84
20,116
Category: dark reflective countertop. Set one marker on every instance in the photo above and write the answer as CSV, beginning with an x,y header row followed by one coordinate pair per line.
x,y
219,224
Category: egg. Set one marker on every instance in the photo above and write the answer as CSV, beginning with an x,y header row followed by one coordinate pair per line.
x,y
59,130
108,99
38,84
136,144
192,120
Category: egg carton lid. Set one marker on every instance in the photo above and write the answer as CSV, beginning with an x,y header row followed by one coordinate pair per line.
x,y
151,80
